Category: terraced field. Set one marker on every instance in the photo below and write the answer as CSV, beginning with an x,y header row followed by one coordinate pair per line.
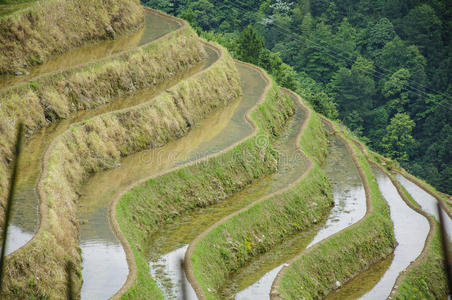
x,y
156,149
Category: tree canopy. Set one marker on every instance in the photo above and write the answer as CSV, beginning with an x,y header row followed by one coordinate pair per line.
x,y
384,68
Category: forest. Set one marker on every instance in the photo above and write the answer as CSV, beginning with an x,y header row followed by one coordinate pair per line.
x,y
383,68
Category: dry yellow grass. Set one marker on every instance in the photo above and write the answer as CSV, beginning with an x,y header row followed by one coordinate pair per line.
x,y
30,36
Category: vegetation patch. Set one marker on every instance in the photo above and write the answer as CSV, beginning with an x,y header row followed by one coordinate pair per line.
x,y
257,229
338,259
58,95
31,35
95,145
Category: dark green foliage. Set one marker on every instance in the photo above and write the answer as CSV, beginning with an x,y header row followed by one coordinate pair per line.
x,y
378,35
422,28
398,140
363,61
249,45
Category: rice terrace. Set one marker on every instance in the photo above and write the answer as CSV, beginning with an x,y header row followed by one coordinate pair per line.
x,y
207,149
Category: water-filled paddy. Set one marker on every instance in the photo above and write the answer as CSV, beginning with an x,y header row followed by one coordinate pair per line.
x,y
350,206
427,202
410,229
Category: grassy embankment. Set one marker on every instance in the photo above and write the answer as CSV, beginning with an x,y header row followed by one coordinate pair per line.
x,y
37,269
265,223
16,1
343,255
31,35
11,6
59,95
145,207
425,277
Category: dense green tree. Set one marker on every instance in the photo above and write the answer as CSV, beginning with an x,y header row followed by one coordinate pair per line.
x,y
301,9
355,122
354,88
165,5
344,42
284,74
398,139
395,90
249,45
396,83
375,122
307,25
396,55
203,12
396,9
378,35
319,6
437,156
322,103
422,28
315,56
264,8
279,23
332,14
